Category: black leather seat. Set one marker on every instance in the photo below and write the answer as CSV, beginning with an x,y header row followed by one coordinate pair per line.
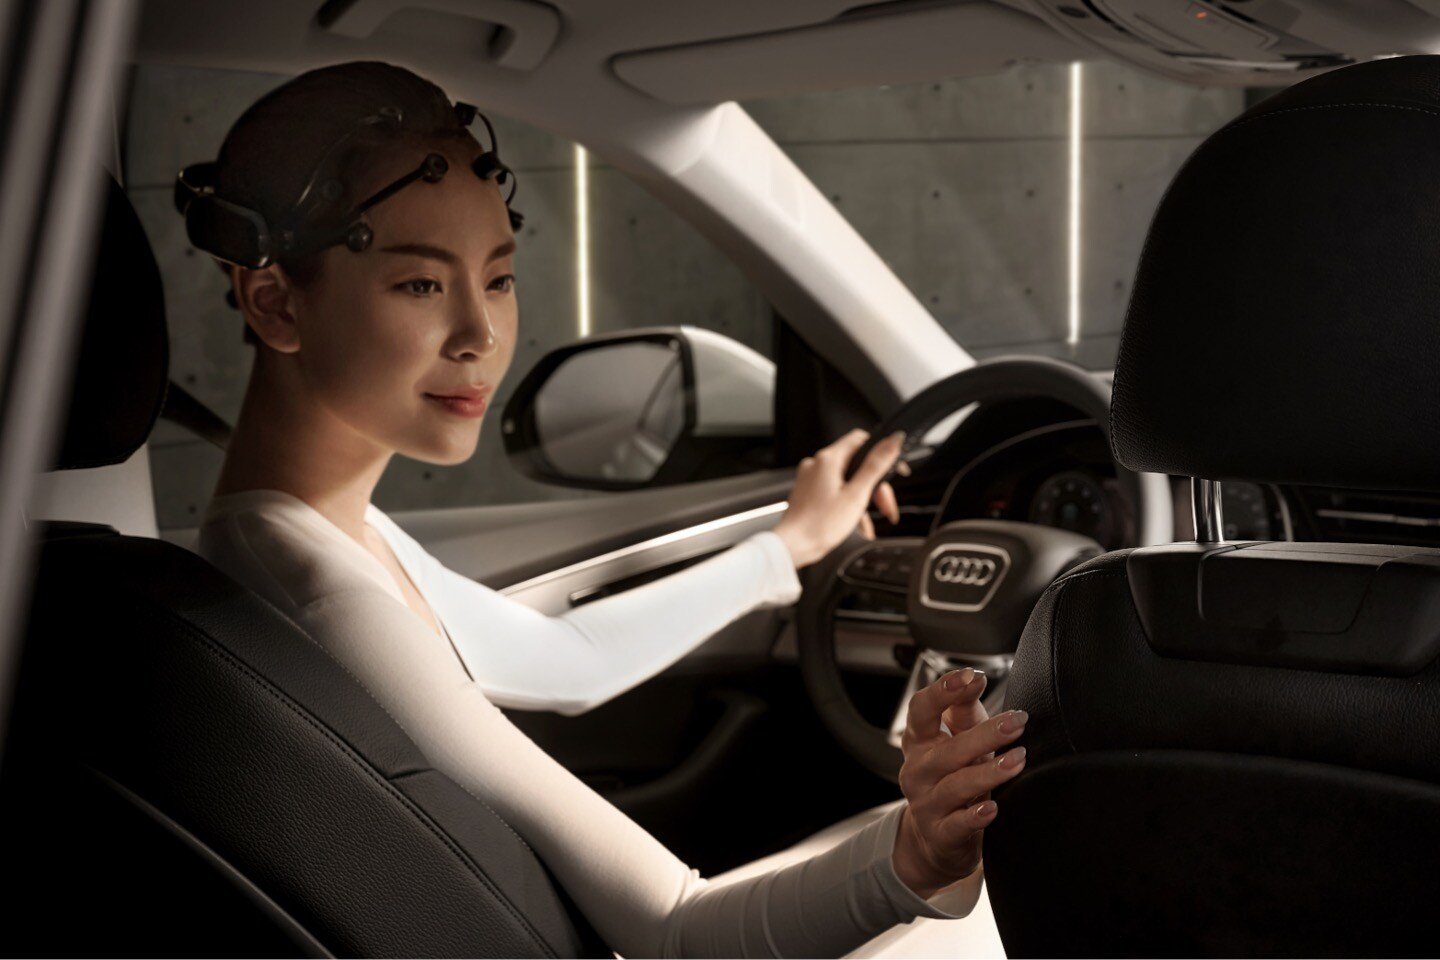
x,y
1235,748
186,772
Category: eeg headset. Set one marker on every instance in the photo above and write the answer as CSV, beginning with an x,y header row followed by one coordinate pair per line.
x,y
242,236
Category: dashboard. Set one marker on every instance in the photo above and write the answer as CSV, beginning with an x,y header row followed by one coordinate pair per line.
x,y
1061,475
1037,461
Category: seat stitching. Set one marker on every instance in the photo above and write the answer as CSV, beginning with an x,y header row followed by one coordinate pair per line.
x,y
1058,587
233,525
245,542
393,719
1055,669
209,645
368,769
1242,121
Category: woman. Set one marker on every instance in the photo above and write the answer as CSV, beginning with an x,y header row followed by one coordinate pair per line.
x,y
385,324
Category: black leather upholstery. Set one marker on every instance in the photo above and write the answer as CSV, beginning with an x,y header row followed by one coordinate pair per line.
x,y
1282,325
187,773
120,377
1235,750
216,711
1178,807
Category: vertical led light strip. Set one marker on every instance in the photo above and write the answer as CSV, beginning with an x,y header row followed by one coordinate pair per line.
x,y
1076,88
582,239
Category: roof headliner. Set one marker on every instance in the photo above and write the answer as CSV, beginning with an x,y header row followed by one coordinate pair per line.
x,y
575,91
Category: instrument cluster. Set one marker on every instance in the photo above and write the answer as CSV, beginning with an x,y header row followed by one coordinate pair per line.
x,y
1062,475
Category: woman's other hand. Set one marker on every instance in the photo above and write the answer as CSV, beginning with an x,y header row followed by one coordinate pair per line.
x,y
947,779
825,508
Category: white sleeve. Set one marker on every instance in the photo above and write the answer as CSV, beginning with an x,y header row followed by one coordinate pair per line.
x,y
573,662
641,898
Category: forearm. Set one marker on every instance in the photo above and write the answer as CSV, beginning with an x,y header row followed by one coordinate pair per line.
x,y
824,906
575,661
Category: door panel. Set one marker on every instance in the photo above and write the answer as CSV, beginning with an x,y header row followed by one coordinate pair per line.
x,y
721,756
560,590
504,546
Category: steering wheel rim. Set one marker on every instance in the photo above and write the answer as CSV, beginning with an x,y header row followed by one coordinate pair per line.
x,y
989,381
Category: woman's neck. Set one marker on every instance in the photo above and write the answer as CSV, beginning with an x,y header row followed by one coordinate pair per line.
x,y
283,441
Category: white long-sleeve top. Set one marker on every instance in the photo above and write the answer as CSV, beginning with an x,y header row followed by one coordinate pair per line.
x,y
590,654
641,898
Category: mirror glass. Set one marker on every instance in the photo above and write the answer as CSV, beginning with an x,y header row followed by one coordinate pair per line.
x,y
613,412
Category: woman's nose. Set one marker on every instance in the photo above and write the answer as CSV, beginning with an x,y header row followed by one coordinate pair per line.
x,y
475,336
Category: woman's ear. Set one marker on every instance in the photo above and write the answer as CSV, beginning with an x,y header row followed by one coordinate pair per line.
x,y
265,298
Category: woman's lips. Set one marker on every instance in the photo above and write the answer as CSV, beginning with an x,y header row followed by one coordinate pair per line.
x,y
462,404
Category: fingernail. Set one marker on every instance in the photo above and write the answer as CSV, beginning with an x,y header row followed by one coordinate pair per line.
x,y
1014,721
896,438
1012,758
985,809
951,680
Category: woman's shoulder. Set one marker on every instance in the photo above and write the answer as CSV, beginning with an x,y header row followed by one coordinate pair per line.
x,y
424,568
283,549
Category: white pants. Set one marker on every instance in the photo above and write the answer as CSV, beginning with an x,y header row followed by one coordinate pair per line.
x,y
974,936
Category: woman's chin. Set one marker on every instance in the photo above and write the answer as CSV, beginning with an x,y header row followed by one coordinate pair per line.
x,y
443,451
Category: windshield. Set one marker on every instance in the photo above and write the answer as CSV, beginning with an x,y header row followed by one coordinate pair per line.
x,y
1012,205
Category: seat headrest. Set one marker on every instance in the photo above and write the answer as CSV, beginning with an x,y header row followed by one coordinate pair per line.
x,y
1285,320
123,359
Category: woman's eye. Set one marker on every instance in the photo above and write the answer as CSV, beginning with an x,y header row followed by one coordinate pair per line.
x,y
503,284
420,287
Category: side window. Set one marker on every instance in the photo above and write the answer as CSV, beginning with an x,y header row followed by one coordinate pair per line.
x,y
597,254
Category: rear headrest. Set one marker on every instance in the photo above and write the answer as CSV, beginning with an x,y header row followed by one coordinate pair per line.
x,y
1285,320
123,359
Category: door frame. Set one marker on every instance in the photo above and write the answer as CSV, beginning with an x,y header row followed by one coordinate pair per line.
x,y
65,58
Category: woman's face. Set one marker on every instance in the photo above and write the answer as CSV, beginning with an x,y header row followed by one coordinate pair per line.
x,y
407,341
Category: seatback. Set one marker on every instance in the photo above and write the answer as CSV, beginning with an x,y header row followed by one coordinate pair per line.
x,y
1177,805
1235,747
187,772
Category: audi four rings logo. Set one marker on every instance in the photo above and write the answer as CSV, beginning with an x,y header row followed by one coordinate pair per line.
x,y
964,570
963,576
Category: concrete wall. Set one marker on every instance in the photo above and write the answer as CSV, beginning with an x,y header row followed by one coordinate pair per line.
x,y
961,186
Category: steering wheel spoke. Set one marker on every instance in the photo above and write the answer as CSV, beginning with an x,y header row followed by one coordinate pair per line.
x,y
884,565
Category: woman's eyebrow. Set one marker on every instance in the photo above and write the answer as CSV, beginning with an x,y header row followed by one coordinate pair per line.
x,y
423,250
445,256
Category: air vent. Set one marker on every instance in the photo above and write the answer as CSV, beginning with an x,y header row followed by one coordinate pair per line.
x,y
1353,516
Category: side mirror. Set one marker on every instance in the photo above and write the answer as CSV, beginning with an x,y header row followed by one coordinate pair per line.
x,y
643,408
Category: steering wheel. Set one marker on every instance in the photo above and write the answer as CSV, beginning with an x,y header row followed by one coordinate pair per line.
x,y
970,585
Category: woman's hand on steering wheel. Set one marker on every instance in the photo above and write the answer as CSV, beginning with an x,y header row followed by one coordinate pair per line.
x,y
825,508
947,779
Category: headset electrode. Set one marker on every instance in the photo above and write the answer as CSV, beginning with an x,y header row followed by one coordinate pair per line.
x,y
240,235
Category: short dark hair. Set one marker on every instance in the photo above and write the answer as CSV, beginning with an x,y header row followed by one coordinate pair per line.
x,y
275,147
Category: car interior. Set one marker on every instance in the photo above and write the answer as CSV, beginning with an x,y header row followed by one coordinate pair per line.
x,y
1197,540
